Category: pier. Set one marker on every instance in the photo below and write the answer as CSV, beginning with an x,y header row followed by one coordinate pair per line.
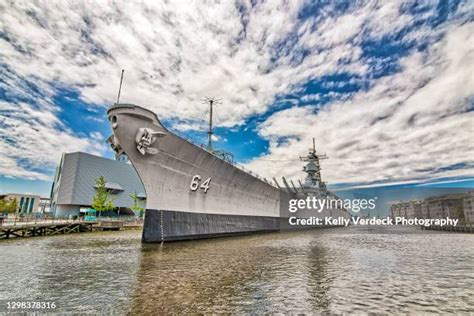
x,y
109,225
453,229
44,229
51,227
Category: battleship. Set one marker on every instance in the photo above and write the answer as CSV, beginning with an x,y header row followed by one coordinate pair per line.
x,y
197,192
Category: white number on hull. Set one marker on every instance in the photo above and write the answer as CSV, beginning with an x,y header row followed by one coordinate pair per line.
x,y
195,183
205,185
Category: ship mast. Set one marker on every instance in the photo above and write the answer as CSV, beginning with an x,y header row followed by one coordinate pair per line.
x,y
120,87
313,168
211,101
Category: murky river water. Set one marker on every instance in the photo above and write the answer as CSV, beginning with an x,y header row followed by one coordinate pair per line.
x,y
388,270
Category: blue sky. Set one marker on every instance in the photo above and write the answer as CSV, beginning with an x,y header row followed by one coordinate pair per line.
x,y
386,88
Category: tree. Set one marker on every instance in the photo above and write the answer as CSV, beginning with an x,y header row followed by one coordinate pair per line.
x,y
13,206
136,204
3,205
9,206
102,201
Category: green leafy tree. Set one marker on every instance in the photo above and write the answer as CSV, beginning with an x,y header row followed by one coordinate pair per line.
x,y
12,206
9,206
136,204
102,200
3,205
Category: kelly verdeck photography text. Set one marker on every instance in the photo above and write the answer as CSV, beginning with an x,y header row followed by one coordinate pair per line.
x,y
374,221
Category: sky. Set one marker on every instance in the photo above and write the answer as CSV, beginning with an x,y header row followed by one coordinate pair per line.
x,y
386,88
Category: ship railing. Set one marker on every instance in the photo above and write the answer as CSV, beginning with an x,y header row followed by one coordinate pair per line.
x,y
241,167
41,218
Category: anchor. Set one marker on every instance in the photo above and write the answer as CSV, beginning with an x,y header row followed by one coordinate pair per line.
x,y
145,138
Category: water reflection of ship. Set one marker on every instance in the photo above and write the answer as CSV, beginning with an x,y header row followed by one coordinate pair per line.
x,y
194,192
319,280
214,277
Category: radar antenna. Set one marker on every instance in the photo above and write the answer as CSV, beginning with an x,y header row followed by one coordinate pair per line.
x,y
211,101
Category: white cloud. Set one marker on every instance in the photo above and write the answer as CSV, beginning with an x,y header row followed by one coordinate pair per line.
x,y
406,126
10,168
175,53
32,140
97,136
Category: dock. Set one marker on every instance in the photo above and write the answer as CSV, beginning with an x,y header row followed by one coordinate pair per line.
x,y
60,227
44,229
453,229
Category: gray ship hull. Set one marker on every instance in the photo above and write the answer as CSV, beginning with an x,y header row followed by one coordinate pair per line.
x,y
163,226
191,193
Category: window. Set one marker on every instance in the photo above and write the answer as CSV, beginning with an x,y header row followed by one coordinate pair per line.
x,y
25,206
32,202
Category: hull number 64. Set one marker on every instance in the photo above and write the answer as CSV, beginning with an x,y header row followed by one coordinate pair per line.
x,y
197,184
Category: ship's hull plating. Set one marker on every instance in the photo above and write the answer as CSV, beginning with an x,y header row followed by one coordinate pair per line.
x,y
235,202
161,225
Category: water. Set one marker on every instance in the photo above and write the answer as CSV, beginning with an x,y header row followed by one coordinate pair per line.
x,y
386,270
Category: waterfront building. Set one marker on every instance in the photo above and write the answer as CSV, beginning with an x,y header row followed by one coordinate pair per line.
x,y
407,209
74,183
397,209
450,205
453,205
468,206
414,209
26,203
44,205
424,210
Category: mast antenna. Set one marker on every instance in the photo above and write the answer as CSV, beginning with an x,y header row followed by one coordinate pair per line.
x,y
120,87
211,101
314,146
